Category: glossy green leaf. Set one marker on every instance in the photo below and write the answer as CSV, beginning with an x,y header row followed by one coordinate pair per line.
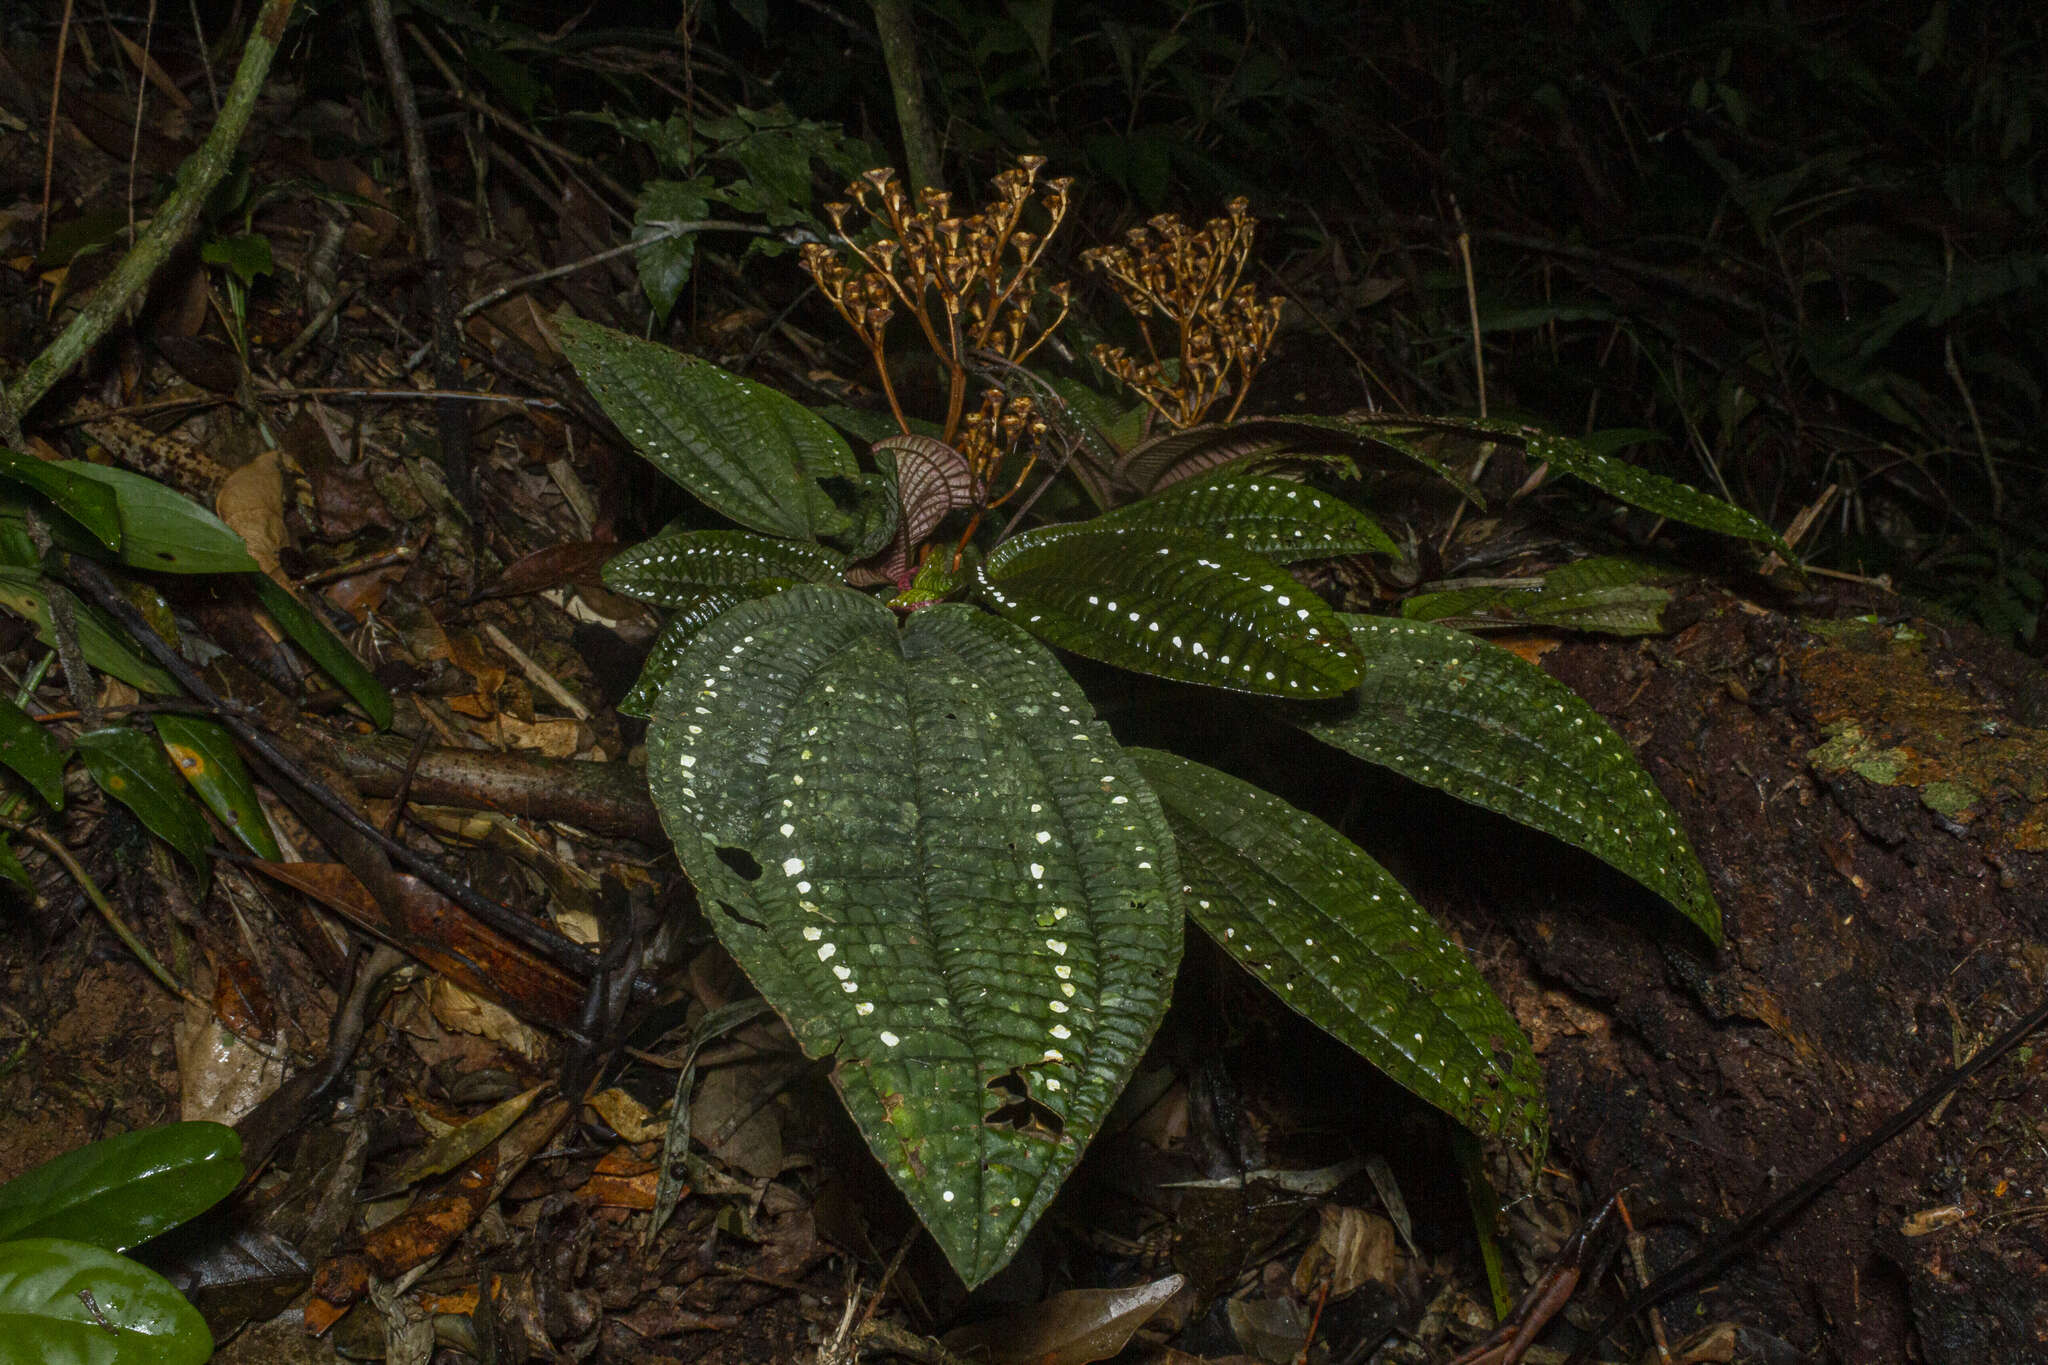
x,y
27,748
1279,518
1173,604
744,450
1345,945
676,570
85,501
130,766
163,529
23,592
121,1191
69,1303
326,649
205,756
1469,718
939,867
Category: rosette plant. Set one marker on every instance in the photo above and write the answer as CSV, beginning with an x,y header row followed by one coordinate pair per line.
x,y
899,810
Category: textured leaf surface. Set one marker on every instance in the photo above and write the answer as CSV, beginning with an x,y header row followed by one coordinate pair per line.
x,y
27,749
1466,717
935,862
121,1191
1174,604
746,451
1345,945
326,649
931,480
130,767
1279,518
67,1303
1609,594
1635,486
676,570
205,755
1180,455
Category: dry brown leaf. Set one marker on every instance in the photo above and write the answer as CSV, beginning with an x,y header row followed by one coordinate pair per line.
x,y
1073,1328
1352,1248
458,1011
251,502
629,1118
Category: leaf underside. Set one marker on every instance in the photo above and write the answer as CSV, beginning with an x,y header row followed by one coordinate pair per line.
x,y
937,865
1345,945
1471,719
1174,604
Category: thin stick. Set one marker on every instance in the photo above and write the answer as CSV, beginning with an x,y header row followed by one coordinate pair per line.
x,y
50,132
55,848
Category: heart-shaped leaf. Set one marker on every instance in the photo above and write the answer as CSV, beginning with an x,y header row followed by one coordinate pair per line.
x,y
1174,604
1345,945
121,1191
1469,718
939,868
747,452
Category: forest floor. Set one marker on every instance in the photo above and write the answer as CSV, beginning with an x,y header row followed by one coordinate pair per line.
x,y
1864,785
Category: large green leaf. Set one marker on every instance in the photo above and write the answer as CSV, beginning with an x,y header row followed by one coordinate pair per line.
x,y
1279,518
1171,603
1469,718
675,570
1347,947
131,767
26,747
746,451
163,529
938,866
121,1191
69,1303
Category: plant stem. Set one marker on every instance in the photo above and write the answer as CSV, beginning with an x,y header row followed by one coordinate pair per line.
x,y
196,179
897,28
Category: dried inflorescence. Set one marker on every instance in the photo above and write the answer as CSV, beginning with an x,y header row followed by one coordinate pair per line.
x,y
1190,277
970,282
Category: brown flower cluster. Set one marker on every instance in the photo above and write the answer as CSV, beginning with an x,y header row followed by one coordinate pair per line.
x,y
1190,277
969,282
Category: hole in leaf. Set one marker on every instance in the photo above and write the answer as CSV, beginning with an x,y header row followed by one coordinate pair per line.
x,y
1020,1111
740,861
